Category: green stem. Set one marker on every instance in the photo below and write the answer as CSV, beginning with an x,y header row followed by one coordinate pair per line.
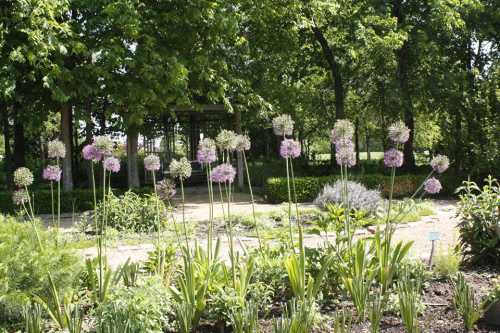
x,y
230,232
289,203
33,222
53,208
252,200
158,221
222,203
184,214
58,204
388,221
294,193
210,212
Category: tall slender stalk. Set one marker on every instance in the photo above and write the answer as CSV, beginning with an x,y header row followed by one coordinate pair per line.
x,y
230,232
289,202
184,214
31,216
158,221
58,203
52,199
210,212
388,220
252,199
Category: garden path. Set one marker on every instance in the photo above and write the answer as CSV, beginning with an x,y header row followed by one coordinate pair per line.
x,y
443,221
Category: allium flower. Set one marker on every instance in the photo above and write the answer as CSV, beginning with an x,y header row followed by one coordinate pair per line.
x,y
23,177
165,189
283,125
91,153
20,197
398,132
342,130
225,140
393,158
242,142
152,163
206,151
111,164
56,149
345,154
290,148
223,173
52,173
104,145
432,186
440,163
180,168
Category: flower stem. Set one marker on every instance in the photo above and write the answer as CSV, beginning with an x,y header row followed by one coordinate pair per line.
x,y
210,212
230,233
252,200
184,214
158,221
53,208
289,203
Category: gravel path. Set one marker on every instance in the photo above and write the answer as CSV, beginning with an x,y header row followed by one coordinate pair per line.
x,y
443,221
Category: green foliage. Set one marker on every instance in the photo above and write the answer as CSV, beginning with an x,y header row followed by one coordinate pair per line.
x,y
308,187
465,303
408,296
376,311
129,211
24,268
33,318
342,321
357,275
446,263
144,308
479,227
298,317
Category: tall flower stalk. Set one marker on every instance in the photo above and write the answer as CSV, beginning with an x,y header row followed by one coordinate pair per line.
x,y
181,169
23,178
152,164
55,150
206,155
242,144
224,174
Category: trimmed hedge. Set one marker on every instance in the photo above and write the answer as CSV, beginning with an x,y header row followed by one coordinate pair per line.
x,y
78,200
307,188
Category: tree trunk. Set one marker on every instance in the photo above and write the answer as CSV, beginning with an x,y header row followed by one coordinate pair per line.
x,y
239,156
67,175
8,154
132,167
19,139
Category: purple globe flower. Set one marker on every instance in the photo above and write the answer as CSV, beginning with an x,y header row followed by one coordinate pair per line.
x,y
52,173
393,158
223,173
152,163
112,164
90,153
342,130
56,149
289,148
206,153
440,163
345,155
432,186
398,132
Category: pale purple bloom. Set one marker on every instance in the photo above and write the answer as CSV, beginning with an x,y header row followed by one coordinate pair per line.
x,y
242,142
91,153
152,163
223,173
56,149
104,145
112,164
180,168
206,153
23,177
20,197
290,148
432,186
440,163
165,189
398,132
226,140
283,125
393,158
52,173
345,155
342,130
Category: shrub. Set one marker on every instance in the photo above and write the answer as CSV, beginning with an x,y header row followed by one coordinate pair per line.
x,y
127,212
147,307
479,227
24,268
308,187
358,197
